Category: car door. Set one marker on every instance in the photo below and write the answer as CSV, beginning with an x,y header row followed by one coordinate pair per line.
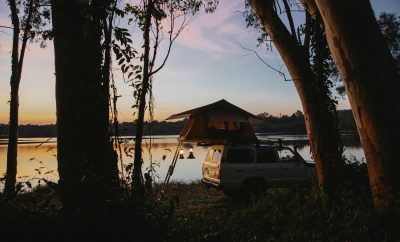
x,y
239,164
211,164
293,170
267,165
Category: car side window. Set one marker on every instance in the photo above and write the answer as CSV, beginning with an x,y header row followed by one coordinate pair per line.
x,y
266,155
286,155
236,156
210,155
217,156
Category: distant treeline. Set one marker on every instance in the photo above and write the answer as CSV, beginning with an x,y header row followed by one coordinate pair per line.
x,y
126,128
31,130
293,124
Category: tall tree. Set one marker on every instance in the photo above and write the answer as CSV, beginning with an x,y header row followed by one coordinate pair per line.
x,y
157,20
29,23
372,82
87,163
307,72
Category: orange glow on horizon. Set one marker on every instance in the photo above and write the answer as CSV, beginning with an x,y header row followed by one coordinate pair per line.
x,y
40,119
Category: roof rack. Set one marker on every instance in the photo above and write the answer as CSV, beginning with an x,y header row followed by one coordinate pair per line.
x,y
271,142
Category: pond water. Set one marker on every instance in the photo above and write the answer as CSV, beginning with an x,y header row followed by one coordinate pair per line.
x,y
39,160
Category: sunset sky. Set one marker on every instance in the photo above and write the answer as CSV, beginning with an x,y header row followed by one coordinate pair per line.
x,y
206,64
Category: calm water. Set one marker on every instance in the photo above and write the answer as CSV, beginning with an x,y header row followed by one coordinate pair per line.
x,y
33,155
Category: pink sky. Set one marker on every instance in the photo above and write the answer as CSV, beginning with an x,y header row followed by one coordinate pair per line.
x,y
205,65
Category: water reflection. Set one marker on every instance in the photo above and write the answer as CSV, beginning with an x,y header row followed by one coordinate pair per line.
x,y
32,155
33,161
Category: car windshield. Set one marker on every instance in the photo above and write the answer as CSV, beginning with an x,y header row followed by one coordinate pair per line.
x,y
286,155
266,155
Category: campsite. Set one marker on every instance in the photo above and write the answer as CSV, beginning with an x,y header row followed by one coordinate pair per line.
x,y
199,120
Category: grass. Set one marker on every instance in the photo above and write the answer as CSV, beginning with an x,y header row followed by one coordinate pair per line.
x,y
283,214
192,212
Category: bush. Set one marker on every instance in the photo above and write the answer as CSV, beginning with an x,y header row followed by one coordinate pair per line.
x,y
296,214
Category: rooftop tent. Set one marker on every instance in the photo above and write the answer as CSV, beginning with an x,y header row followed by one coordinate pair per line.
x,y
218,123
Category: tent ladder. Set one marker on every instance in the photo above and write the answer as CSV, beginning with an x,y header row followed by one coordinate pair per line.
x,y
169,173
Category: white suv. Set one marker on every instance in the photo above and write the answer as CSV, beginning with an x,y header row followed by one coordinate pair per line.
x,y
253,167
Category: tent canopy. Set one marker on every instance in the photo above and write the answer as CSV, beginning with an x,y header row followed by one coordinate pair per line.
x,y
221,110
218,123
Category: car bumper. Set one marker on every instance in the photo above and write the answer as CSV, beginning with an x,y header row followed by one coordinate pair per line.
x,y
211,183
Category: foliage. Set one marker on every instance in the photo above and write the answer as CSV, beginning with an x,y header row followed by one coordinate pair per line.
x,y
157,20
165,16
38,26
284,123
289,214
40,215
191,212
389,24
295,123
322,65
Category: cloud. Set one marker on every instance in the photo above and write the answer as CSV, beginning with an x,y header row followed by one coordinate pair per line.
x,y
212,33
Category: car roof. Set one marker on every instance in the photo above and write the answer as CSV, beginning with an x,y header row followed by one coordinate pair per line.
x,y
250,145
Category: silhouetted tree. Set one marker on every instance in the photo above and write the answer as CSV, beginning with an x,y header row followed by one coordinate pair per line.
x,y
30,23
372,82
87,163
156,20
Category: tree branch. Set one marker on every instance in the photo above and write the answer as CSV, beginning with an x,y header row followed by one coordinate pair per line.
x,y
25,39
6,27
16,31
307,33
172,37
264,62
290,18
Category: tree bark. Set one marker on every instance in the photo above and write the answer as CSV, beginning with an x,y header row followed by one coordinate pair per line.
x,y
87,165
320,123
372,84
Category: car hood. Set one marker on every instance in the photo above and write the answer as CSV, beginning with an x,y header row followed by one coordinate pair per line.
x,y
309,162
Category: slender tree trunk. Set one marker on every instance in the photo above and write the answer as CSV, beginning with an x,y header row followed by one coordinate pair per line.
x,y
372,85
16,72
106,69
320,122
137,172
87,164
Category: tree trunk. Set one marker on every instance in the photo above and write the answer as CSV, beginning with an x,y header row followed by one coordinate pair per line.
x,y
9,188
137,172
372,84
320,122
16,72
11,173
87,165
